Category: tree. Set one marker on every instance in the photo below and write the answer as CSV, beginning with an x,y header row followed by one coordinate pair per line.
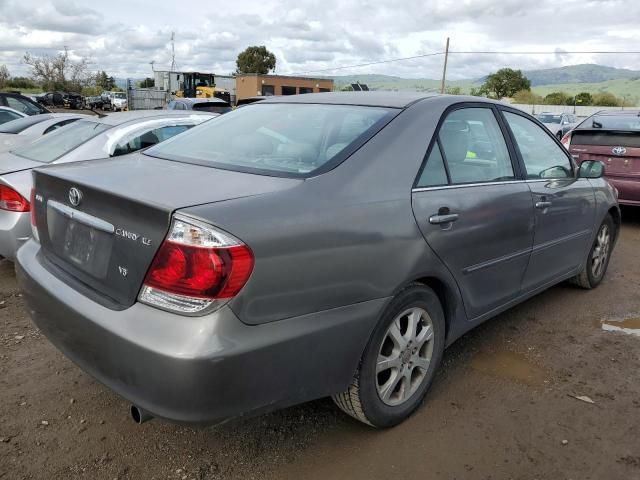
x,y
584,98
478,92
4,76
256,59
557,98
147,83
606,99
527,97
505,83
21,83
60,72
454,91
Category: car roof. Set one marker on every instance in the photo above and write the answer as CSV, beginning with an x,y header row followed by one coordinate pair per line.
x,y
372,99
375,99
119,118
634,112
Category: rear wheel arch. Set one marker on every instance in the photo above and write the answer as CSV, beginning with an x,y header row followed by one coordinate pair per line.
x,y
617,218
445,295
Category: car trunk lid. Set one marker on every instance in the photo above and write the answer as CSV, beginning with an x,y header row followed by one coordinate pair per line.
x,y
100,223
619,151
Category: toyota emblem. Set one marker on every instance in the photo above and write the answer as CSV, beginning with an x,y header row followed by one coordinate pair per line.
x,y
618,150
75,196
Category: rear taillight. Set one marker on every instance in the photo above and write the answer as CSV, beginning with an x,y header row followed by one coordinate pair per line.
x,y
197,269
566,140
12,201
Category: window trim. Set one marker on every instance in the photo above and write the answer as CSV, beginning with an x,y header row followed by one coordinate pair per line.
x,y
502,109
435,138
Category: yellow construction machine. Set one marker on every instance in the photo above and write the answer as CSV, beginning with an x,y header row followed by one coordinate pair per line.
x,y
201,85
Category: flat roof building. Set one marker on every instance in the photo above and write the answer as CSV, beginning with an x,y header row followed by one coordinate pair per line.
x,y
253,84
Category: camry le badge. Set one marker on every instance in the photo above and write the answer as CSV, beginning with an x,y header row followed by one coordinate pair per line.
x,y
618,150
75,196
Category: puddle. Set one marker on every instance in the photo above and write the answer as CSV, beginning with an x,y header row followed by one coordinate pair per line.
x,y
510,365
630,326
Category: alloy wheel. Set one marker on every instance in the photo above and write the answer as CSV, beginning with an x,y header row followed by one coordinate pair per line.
x,y
601,251
404,356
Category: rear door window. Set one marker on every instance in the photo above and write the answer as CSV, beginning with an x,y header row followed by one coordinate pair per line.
x,y
542,156
474,148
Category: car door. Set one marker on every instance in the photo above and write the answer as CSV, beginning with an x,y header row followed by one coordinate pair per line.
x,y
564,204
473,209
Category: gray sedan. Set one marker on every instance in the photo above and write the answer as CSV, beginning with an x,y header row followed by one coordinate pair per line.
x,y
91,138
307,246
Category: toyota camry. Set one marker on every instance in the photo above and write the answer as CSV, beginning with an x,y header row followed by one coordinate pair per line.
x,y
307,246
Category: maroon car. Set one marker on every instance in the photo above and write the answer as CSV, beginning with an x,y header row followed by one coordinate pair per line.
x,y
613,138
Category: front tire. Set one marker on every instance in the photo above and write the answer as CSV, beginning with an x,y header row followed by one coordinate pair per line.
x,y
400,361
598,260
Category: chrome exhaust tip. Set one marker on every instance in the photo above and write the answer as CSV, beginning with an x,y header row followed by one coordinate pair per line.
x,y
139,415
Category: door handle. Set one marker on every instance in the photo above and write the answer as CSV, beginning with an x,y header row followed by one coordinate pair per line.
x,y
440,219
543,205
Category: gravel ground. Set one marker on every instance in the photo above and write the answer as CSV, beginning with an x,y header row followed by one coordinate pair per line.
x,y
502,407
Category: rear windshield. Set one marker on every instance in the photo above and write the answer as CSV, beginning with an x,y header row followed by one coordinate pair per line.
x,y
613,122
548,118
61,141
213,107
276,139
17,126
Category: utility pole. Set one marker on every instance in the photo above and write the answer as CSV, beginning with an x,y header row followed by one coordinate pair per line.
x,y
444,70
173,52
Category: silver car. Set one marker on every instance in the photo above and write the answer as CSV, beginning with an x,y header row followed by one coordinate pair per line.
x,y
328,244
88,139
25,130
8,114
558,123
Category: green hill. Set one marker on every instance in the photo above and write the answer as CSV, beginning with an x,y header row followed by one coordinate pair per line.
x,y
585,73
629,90
572,80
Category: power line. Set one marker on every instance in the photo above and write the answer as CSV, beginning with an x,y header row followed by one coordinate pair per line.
x,y
370,63
482,52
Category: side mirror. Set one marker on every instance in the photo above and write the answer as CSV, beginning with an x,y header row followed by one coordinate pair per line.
x,y
591,169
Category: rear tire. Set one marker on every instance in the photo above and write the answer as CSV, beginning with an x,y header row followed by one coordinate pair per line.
x,y
597,262
399,362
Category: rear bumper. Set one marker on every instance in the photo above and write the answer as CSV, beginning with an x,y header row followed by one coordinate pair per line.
x,y
197,369
15,230
628,190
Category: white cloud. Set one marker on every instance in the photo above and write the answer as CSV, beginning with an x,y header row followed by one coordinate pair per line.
x,y
124,36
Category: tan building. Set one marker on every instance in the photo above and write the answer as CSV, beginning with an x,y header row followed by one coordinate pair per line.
x,y
252,84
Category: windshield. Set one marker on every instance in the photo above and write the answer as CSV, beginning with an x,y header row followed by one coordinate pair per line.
x,y
549,118
613,122
293,139
17,126
119,95
61,141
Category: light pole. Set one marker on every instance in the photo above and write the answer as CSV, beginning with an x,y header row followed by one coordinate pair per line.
x,y
575,100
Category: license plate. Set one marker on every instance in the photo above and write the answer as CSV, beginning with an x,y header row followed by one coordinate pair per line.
x,y
79,243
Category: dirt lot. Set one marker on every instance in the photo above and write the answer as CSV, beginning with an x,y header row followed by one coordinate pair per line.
x,y
501,408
